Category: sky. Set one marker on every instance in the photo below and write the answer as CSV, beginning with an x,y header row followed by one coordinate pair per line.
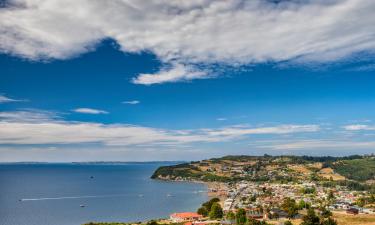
x,y
152,80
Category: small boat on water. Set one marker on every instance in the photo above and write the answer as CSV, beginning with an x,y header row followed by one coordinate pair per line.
x,y
82,206
169,195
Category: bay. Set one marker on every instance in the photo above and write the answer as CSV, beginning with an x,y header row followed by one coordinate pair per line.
x,y
72,194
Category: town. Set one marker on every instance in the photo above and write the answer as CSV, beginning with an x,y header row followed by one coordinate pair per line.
x,y
278,190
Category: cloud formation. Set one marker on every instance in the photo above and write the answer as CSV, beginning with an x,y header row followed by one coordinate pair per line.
x,y
177,72
27,128
5,99
183,34
89,111
319,144
359,127
133,102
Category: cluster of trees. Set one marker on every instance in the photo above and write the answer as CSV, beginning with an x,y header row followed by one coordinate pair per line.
x,y
365,200
356,169
308,190
324,219
212,209
291,206
240,218
350,184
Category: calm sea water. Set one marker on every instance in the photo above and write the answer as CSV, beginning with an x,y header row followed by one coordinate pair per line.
x,y
53,194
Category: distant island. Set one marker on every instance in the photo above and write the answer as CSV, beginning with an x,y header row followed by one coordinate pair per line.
x,y
289,190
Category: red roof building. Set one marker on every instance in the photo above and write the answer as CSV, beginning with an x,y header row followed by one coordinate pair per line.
x,y
185,216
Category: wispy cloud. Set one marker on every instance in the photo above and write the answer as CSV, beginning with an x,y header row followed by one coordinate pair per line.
x,y
316,144
26,129
221,119
89,111
133,102
236,131
194,33
177,72
358,127
5,99
29,116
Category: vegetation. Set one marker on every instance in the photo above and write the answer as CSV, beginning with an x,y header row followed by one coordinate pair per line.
x,y
212,209
216,211
289,205
241,218
360,169
312,219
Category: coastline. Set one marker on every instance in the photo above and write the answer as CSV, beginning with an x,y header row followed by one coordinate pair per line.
x,y
214,189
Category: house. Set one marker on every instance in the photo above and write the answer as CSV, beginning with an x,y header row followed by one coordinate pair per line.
x,y
185,216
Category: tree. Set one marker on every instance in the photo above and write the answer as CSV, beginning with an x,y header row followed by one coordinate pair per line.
x,y
253,198
202,211
241,217
311,218
325,213
361,202
152,222
216,211
231,216
289,206
301,204
209,203
252,221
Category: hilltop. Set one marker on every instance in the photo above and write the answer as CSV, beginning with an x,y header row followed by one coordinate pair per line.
x,y
355,171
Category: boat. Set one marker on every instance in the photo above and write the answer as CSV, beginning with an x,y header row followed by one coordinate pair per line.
x,y
82,206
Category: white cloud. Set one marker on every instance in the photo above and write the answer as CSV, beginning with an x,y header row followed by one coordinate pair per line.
x,y
319,144
26,129
89,111
191,32
221,119
237,131
177,72
30,116
358,127
5,99
133,102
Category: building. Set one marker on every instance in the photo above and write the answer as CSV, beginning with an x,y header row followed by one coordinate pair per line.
x,y
185,216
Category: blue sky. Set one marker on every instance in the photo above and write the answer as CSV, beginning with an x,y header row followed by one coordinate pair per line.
x,y
85,90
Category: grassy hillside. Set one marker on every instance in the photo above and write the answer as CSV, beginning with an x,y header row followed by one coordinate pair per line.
x,y
356,169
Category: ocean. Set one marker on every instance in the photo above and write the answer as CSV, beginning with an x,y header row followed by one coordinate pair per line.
x,y
73,194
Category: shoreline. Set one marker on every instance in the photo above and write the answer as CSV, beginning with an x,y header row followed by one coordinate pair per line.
x,y
214,189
